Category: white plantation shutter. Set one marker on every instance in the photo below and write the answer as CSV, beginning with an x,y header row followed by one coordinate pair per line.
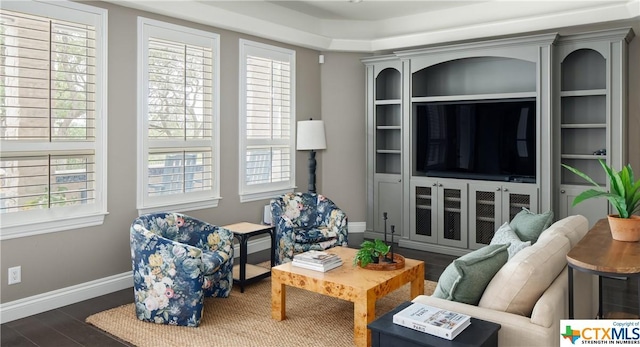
x,y
47,181
268,113
50,86
178,163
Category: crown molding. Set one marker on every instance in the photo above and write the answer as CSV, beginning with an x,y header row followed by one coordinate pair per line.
x,y
480,20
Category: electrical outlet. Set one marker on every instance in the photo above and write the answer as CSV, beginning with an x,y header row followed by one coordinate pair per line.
x,y
15,274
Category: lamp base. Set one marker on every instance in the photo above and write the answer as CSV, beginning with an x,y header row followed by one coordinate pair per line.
x,y
312,172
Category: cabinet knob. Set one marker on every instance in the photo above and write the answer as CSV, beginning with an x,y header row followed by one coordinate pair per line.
x,y
434,184
440,185
399,181
562,191
498,189
505,189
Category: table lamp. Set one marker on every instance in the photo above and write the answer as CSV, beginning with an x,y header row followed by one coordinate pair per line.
x,y
310,137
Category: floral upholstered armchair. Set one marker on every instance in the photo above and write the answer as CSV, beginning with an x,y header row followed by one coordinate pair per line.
x,y
178,260
306,221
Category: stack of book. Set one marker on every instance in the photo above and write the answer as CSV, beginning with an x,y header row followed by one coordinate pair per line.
x,y
432,320
317,260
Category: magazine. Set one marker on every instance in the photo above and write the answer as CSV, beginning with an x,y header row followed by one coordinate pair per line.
x,y
316,257
432,320
318,267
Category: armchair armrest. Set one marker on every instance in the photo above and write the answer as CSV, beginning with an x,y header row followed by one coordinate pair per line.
x,y
334,219
284,226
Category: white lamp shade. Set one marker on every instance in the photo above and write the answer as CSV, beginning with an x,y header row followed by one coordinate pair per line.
x,y
310,135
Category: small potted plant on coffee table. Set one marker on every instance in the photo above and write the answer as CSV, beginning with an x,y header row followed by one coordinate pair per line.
x,y
371,252
374,255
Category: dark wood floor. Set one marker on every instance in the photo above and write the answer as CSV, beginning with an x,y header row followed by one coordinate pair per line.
x,y
65,326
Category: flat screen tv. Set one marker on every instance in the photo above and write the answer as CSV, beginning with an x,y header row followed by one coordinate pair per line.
x,y
480,139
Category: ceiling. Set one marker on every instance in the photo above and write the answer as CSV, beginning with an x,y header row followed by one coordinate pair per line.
x,y
377,25
368,10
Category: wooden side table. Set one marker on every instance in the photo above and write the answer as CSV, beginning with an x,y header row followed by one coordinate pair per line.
x,y
386,333
598,253
244,273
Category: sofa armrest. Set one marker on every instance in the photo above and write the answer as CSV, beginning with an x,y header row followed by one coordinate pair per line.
x,y
553,305
515,330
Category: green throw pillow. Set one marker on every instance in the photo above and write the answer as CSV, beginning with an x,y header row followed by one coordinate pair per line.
x,y
465,279
528,225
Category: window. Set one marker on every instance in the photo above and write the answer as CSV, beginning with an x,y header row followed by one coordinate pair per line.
x,y
267,114
178,117
52,117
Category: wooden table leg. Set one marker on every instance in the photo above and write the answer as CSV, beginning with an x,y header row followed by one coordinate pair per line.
x,y
364,312
417,285
278,299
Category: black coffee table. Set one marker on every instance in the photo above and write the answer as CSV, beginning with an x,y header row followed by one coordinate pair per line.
x,y
385,333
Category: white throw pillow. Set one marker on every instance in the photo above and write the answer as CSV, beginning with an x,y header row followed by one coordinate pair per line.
x,y
505,235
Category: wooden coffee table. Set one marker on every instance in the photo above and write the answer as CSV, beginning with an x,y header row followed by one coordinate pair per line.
x,y
360,286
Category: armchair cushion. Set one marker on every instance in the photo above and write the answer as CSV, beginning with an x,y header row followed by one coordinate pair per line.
x,y
314,234
211,262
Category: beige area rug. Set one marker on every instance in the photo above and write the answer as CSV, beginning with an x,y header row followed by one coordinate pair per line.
x,y
244,319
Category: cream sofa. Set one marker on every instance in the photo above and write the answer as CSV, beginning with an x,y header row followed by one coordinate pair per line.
x,y
529,295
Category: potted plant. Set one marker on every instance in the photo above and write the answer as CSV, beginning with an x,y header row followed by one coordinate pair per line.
x,y
624,197
370,252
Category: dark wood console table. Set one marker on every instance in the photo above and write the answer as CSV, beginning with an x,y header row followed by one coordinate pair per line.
x,y
598,253
385,333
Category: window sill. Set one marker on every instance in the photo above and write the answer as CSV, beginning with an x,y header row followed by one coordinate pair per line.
x,y
51,226
180,206
248,197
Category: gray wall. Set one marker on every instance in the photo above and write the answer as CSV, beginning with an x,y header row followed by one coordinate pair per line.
x,y
333,91
343,164
62,259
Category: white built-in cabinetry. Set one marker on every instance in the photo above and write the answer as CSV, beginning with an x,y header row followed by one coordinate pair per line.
x,y
578,84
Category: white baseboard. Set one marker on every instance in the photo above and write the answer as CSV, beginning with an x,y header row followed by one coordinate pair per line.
x,y
25,307
32,305
357,227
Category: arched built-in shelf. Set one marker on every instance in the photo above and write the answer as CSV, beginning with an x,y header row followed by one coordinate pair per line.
x,y
583,69
583,119
388,84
